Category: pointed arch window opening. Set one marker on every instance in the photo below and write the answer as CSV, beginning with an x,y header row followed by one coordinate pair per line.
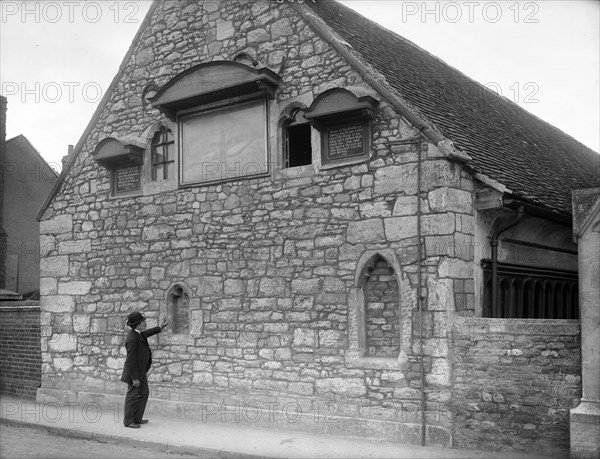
x,y
382,315
178,309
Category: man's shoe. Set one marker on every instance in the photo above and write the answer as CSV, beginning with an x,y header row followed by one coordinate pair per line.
x,y
143,421
133,426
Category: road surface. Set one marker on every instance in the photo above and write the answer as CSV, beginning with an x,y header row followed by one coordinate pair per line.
x,y
25,442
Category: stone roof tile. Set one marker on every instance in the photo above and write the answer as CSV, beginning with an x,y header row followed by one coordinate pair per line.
x,y
534,159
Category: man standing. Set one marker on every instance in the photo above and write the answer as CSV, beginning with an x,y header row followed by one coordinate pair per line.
x,y
137,364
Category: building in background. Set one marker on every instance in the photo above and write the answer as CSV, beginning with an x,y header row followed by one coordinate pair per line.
x,y
27,179
24,185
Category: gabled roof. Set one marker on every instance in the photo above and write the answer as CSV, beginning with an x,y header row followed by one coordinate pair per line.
x,y
536,161
25,141
586,204
70,160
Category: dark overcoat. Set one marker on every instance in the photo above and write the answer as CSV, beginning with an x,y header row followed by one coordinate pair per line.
x,y
139,355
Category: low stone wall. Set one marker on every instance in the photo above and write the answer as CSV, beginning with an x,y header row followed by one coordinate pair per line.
x,y
20,350
514,381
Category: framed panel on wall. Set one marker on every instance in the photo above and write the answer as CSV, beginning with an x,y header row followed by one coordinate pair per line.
x,y
225,143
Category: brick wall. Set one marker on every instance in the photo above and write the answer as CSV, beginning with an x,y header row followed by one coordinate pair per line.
x,y
514,383
20,350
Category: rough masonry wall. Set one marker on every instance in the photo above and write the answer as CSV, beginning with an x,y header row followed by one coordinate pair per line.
x,y
515,381
382,312
268,262
20,352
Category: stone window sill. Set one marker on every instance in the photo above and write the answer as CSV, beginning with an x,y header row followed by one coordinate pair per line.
x,y
131,194
159,186
350,162
224,180
311,170
291,173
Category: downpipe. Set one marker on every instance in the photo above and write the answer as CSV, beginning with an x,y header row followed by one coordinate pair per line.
x,y
419,142
420,290
494,247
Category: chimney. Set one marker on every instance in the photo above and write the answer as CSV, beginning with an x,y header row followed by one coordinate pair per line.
x,y
66,158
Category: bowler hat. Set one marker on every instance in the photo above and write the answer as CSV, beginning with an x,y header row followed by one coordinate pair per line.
x,y
135,318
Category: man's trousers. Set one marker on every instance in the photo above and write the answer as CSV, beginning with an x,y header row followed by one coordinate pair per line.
x,y
135,401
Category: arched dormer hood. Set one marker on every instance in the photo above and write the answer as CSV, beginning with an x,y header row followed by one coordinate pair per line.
x,y
113,151
339,103
212,82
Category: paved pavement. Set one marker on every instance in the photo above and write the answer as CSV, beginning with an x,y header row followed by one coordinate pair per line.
x,y
18,442
91,422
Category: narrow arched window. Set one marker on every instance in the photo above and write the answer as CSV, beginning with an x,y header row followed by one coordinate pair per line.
x,y
163,155
178,309
382,310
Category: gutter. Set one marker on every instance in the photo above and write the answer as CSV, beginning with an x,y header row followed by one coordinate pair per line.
x,y
522,208
537,211
494,246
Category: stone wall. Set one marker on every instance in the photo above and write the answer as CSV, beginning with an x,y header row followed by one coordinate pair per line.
x,y
20,353
382,311
515,381
272,265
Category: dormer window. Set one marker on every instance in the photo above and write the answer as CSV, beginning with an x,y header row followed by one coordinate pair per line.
x,y
221,110
297,138
124,158
163,155
344,122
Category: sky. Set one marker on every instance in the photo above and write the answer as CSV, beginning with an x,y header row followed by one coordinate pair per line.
x,y
58,57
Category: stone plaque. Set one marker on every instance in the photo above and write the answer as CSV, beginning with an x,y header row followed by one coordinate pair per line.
x,y
346,141
127,178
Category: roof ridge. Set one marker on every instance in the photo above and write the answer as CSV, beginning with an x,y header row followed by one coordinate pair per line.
x,y
416,46
35,150
420,48
13,138
505,141
97,113
372,75
471,79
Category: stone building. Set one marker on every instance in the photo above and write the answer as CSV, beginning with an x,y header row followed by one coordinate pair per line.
x,y
347,235
28,181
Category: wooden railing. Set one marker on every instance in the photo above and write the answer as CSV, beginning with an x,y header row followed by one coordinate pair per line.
x,y
529,292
